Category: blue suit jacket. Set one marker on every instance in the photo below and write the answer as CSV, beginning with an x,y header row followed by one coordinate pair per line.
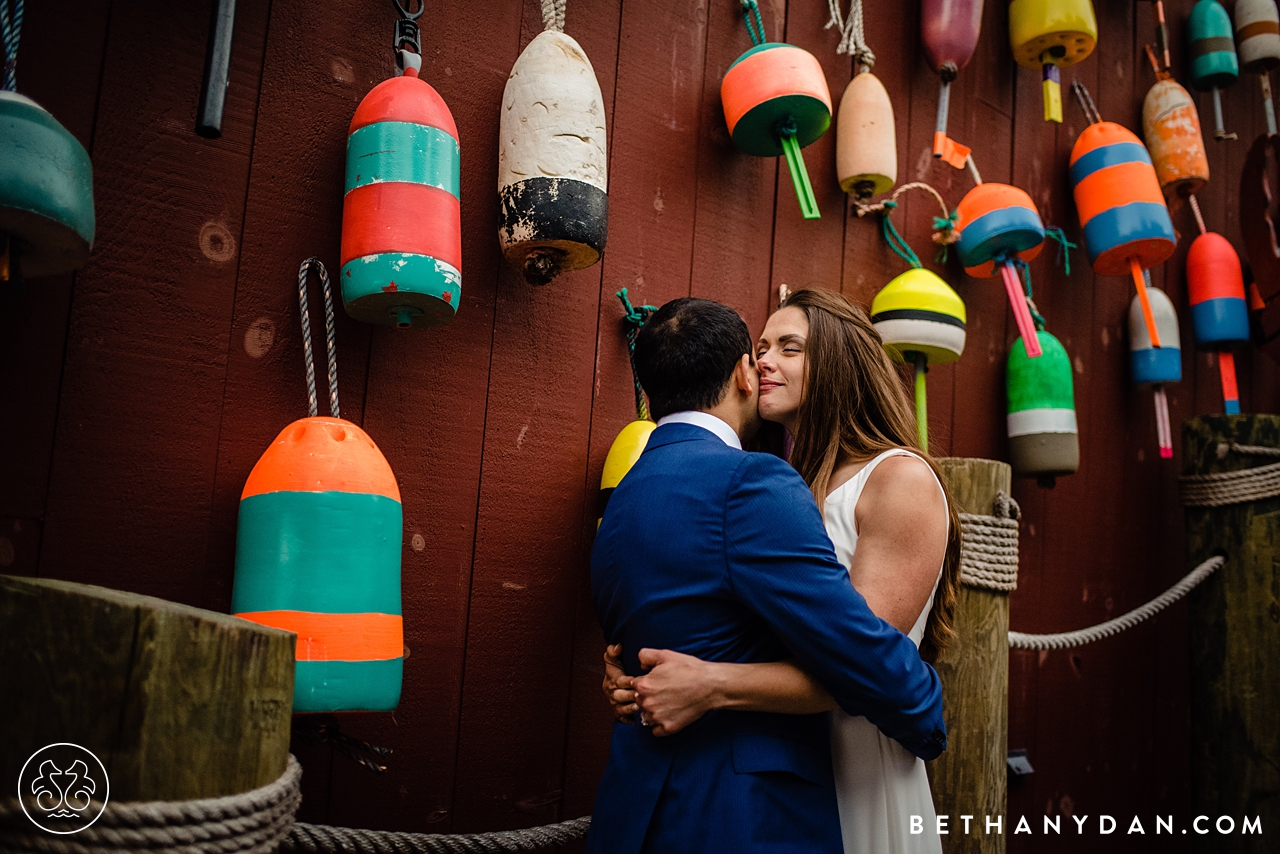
x,y
722,554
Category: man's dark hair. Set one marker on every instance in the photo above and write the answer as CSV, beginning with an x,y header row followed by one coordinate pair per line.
x,y
686,353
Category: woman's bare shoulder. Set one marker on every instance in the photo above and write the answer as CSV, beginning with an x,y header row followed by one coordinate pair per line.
x,y
902,483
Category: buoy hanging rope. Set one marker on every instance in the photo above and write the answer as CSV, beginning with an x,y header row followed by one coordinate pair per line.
x,y
853,39
330,343
408,39
1024,273
1065,246
755,30
635,318
553,15
10,31
944,233
1086,102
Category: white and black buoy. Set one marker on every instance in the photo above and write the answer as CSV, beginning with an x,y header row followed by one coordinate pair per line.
x,y
552,169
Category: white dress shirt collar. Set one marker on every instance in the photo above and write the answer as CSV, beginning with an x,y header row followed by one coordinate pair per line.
x,y
706,421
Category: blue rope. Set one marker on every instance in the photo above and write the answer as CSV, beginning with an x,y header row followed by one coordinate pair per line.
x,y
749,7
635,317
945,224
894,239
1064,246
10,31
1024,273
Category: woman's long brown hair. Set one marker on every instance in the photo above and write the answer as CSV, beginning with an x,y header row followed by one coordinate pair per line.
x,y
863,410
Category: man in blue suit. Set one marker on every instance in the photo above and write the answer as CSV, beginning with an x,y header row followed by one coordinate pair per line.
x,y
719,553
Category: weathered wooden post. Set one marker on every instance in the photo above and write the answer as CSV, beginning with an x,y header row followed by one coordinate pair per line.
x,y
177,703
970,777
1235,631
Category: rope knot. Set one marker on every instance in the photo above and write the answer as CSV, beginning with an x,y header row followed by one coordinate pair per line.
x,y
1006,507
634,318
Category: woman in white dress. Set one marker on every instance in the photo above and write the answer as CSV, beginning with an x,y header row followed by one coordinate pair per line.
x,y
824,376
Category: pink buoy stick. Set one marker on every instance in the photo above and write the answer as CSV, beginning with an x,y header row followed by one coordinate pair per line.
x,y
1164,435
1021,313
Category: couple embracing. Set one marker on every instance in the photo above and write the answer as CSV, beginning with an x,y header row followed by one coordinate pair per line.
x,y
745,597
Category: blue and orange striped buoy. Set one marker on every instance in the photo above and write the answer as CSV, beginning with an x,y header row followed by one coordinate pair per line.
x,y
1219,312
1123,217
998,223
401,217
318,553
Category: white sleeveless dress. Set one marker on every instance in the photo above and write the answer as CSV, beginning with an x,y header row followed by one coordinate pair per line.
x,y
879,784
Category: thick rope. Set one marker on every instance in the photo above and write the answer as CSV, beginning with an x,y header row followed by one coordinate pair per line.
x,y
330,343
635,318
10,32
321,839
250,823
1253,450
1066,640
751,9
1230,487
853,39
989,546
553,15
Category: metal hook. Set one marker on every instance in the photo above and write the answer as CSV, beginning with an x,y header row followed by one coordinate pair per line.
x,y
404,12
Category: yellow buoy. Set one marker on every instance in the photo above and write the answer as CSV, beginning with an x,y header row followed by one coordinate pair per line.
x,y
623,453
866,142
1049,35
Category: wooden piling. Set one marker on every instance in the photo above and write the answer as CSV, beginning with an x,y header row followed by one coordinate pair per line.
x,y
1235,642
970,778
176,702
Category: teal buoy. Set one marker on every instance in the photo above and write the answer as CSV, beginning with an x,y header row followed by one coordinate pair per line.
x,y
1212,49
1043,440
46,193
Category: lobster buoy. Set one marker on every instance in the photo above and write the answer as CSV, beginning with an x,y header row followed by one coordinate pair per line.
x,y
1171,126
1257,25
1043,440
949,30
623,453
1219,312
46,193
1046,36
866,141
401,222
318,553
1155,366
1123,216
552,168
776,102
1213,56
921,321
997,223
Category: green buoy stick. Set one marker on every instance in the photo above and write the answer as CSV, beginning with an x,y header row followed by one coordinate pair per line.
x,y
922,405
800,177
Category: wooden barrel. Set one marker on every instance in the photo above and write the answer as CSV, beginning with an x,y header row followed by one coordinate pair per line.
x,y
1235,643
177,703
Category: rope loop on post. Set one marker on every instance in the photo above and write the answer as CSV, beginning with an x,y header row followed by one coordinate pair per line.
x,y
635,318
553,15
853,39
1233,487
330,343
989,546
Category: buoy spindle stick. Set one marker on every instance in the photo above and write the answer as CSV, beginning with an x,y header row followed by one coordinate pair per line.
x,y
922,404
1267,103
940,127
1052,91
1140,282
1162,33
1219,131
1230,391
800,177
1164,435
1021,314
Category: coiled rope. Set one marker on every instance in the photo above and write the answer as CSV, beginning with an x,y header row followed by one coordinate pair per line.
x,y
553,15
321,839
254,822
330,344
853,39
989,546
1233,487
1065,640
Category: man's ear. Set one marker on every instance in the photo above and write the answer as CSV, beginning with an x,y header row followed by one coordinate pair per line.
x,y
744,375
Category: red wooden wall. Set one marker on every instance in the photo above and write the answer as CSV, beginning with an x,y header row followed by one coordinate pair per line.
x,y
138,394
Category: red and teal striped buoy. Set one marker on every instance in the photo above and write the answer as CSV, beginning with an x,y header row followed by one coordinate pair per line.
x,y
401,216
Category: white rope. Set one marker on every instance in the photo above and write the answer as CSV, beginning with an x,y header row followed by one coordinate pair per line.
x,y
1230,487
853,39
1065,640
553,15
1254,450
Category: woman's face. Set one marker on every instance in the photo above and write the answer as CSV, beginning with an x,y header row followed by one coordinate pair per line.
x,y
780,357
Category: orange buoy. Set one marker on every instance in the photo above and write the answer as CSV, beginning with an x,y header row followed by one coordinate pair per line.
x,y
1171,127
866,141
997,223
1123,216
